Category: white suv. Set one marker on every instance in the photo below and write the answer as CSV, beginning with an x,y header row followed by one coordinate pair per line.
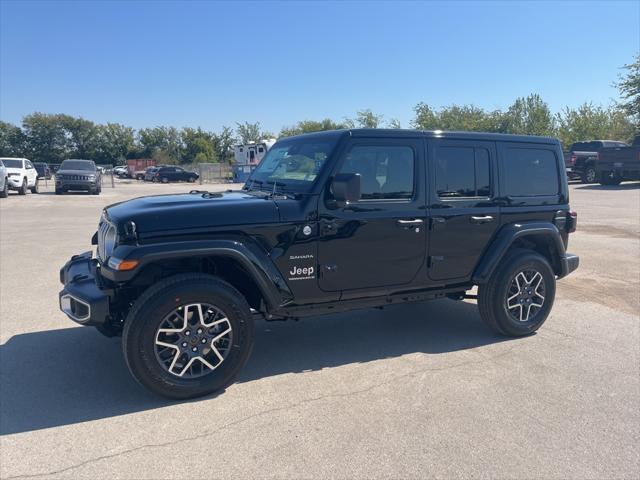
x,y
4,183
21,175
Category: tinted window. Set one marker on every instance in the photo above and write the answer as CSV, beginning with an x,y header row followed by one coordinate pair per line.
x,y
586,146
462,172
293,163
12,163
77,165
386,171
530,172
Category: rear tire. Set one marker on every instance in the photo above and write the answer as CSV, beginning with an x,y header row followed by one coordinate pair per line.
x,y
23,188
519,295
191,179
164,180
172,298
589,175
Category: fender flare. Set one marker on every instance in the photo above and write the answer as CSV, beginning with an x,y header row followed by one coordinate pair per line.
x,y
509,234
253,259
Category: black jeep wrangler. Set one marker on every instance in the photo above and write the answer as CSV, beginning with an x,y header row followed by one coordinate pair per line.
x,y
327,222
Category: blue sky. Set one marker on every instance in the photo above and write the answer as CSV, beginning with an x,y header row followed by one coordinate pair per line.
x,y
210,64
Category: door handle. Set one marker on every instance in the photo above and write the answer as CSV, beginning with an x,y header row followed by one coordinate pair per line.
x,y
483,219
410,223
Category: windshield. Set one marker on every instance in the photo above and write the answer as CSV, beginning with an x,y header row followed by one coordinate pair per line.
x,y
12,163
292,164
78,165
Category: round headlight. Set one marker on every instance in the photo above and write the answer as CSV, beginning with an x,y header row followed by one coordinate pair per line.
x,y
110,240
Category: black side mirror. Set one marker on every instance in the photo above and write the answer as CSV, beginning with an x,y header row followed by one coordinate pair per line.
x,y
346,188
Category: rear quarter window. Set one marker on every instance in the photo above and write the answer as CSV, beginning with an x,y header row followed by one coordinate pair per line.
x,y
530,172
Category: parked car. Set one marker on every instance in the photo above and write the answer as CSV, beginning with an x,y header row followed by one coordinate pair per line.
x,y
173,174
149,174
142,174
4,181
580,160
120,171
43,170
81,175
21,175
615,165
328,222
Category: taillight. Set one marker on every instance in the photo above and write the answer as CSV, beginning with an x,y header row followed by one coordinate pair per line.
x,y
573,159
572,221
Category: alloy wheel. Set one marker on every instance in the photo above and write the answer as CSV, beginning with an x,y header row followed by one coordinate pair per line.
x,y
525,296
193,340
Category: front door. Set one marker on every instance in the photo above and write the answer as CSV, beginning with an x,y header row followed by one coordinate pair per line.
x,y
464,213
380,240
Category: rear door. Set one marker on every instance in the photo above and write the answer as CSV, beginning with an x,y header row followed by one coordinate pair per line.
x,y
464,213
379,241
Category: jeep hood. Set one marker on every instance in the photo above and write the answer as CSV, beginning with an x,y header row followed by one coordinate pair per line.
x,y
193,211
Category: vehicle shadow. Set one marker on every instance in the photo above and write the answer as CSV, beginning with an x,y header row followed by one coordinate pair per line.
x,y
72,375
622,186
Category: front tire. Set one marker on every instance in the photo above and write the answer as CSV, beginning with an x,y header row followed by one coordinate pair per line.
x,y
36,187
5,191
519,295
23,188
188,336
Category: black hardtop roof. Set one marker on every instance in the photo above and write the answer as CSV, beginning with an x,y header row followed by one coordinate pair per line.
x,y
396,132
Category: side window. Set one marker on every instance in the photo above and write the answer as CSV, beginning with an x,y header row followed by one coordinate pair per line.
x,y
462,172
28,165
530,172
386,171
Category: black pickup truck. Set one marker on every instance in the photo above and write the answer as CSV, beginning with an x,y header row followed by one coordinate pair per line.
x,y
580,160
615,165
327,222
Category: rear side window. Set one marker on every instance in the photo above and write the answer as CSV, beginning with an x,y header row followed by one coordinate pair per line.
x,y
530,172
462,172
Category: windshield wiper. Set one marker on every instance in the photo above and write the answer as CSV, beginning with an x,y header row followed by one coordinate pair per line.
x,y
249,187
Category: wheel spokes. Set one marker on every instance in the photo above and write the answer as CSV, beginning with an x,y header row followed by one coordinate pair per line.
x,y
194,340
525,292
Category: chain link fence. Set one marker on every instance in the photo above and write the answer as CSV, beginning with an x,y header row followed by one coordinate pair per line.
x,y
212,172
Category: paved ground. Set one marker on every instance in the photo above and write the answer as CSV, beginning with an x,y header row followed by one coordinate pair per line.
x,y
411,392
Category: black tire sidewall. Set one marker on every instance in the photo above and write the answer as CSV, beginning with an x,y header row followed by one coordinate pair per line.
x,y
140,332
23,188
528,261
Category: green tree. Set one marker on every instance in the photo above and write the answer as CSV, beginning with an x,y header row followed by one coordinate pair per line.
x,y
12,141
199,146
162,143
310,126
115,142
629,86
394,123
365,119
529,116
249,132
45,138
82,136
224,143
590,122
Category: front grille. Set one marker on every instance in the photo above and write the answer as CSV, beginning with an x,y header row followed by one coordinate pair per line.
x,y
74,177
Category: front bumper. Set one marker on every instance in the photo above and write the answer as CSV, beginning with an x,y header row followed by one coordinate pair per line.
x,y
14,181
83,299
76,184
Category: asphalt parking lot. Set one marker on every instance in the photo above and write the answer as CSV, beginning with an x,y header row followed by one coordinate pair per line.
x,y
413,391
